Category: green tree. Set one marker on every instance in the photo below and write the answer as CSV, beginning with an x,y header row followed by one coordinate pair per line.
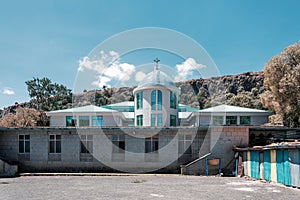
x,y
282,84
47,95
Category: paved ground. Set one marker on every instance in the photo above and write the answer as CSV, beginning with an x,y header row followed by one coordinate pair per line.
x,y
141,187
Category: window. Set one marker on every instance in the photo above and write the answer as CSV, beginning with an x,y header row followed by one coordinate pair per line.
x,y
173,100
231,120
97,120
156,100
246,120
184,144
55,144
86,144
118,143
151,144
70,121
139,120
217,120
84,121
156,119
173,120
24,143
139,100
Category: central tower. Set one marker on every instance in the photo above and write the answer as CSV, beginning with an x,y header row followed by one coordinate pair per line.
x,y
156,100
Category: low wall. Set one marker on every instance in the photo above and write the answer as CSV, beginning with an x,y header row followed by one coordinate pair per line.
x,y
167,159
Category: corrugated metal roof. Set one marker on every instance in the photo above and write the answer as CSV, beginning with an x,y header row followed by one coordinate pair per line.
x,y
233,109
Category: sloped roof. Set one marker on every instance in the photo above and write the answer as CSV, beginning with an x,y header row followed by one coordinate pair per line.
x,y
128,115
83,109
231,109
121,104
184,115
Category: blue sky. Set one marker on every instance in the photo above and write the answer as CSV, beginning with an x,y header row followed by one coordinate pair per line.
x,y
48,38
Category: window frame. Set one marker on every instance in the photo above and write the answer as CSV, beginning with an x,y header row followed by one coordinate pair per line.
x,y
173,120
73,121
56,140
86,144
152,144
242,118
139,120
119,143
173,100
218,120
156,100
229,120
185,144
139,100
25,142
96,120
83,118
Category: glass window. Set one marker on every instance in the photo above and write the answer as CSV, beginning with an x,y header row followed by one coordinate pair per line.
x,y
159,100
153,119
139,120
24,143
151,144
55,144
217,120
153,100
97,120
70,121
231,120
139,100
156,100
173,120
84,121
184,144
159,119
118,143
246,120
156,119
173,100
86,144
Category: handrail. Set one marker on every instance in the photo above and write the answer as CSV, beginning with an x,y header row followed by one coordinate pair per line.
x,y
194,161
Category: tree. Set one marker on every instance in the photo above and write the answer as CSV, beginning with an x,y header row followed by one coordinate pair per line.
x,y
47,95
282,84
24,117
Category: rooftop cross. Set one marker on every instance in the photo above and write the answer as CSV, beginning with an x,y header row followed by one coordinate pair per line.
x,y
156,60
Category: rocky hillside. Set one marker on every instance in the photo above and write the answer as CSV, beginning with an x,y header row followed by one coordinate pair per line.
x,y
240,90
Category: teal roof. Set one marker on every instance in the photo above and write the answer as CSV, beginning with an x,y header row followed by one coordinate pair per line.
x,y
126,106
83,109
231,109
186,108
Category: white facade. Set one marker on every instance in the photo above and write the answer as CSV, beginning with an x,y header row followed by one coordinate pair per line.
x,y
156,105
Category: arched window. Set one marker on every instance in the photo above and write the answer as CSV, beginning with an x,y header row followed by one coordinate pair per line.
x,y
173,100
156,100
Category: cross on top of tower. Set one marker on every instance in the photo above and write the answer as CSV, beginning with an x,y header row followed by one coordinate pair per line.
x,y
156,61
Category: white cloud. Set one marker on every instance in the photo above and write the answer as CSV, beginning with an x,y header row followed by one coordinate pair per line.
x,y
8,91
108,68
103,80
139,76
186,69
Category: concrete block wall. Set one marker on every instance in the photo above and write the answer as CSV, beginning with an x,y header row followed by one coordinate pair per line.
x,y
217,140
